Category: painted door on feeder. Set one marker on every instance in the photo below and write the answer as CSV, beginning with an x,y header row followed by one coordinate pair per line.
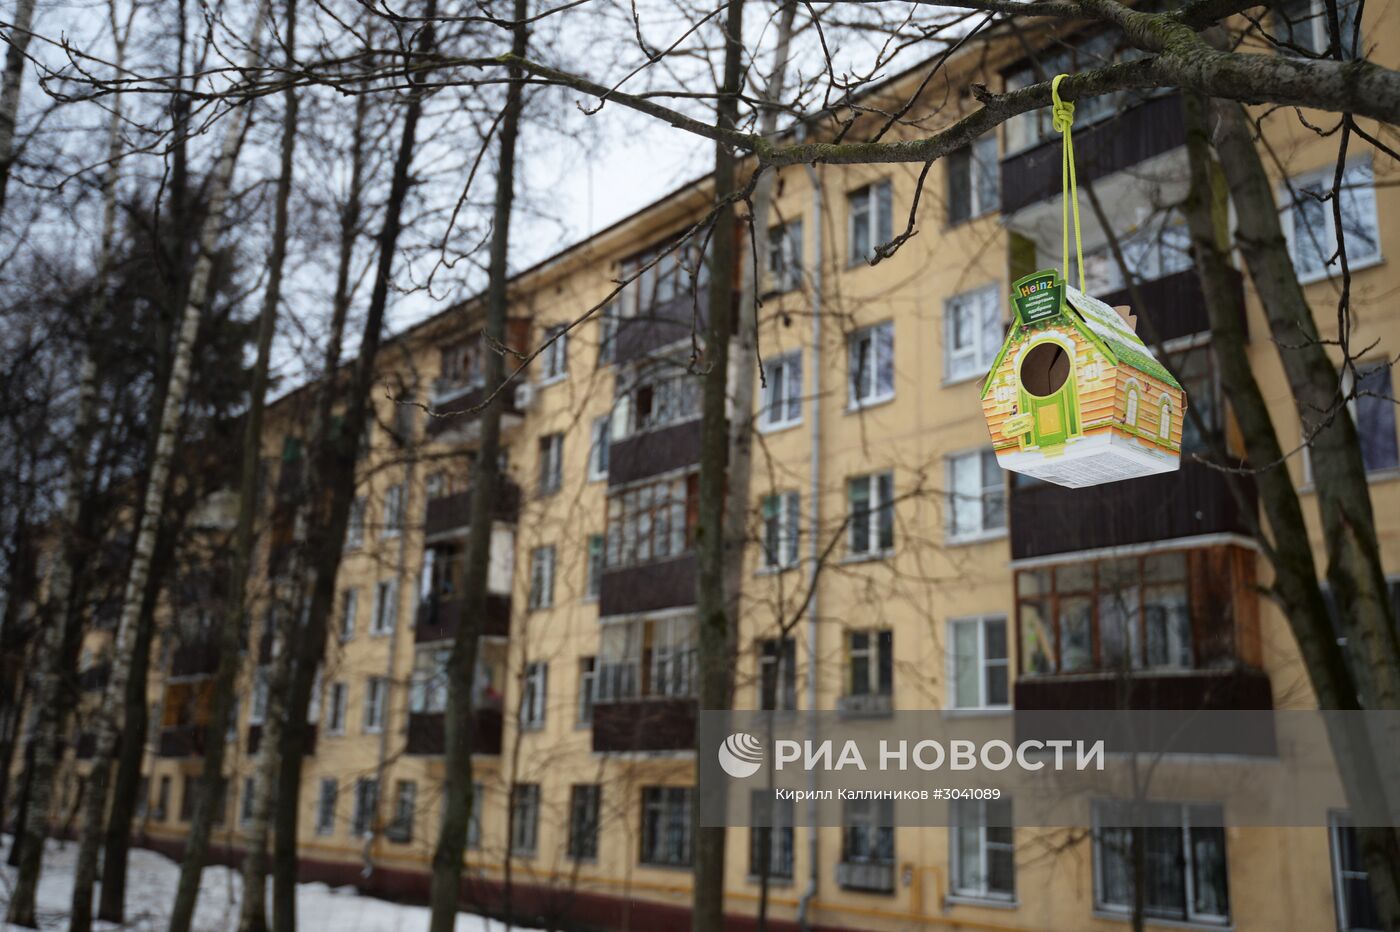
x,y
1049,397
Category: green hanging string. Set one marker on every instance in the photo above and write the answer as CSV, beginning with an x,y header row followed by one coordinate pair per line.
x,y
1062,119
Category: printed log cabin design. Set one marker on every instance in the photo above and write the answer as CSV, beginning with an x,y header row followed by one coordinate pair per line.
x,y
1075,397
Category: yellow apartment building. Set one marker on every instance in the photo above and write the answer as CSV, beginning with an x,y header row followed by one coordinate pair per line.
x,y
892,564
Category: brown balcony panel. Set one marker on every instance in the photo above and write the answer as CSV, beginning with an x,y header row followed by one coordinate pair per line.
x,y
437,621
427,735
86,747
1174,305
1133,136
449,513
648,588
308,746
461,410
1049,519
198,658
94,679
1241,688
645,725
662,324
654,452
181,741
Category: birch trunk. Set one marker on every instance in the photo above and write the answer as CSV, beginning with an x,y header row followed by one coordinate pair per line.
x,y
332,492
716,633
10,90
65,620
149,523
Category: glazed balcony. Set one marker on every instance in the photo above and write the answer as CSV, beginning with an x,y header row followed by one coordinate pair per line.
x,y
662,324
427,734
196,658
451,515
651,724
1173,305
181,741
650,587
1188,690
437,619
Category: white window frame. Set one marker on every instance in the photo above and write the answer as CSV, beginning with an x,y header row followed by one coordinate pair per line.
x,y
595,559
554,357
782,395
599,449
956,535
875,550
959,888
375,701
1348,385
587,689
977,155
366,798
336,708
789,531
524,833
1338,822
534,695
1328,236
386,608
983,664
870,654
394,499
349,613
257,709
1320,40
785,248
1188,869
327,798
542,563
863,207
864,396
355,530
972,362
551,465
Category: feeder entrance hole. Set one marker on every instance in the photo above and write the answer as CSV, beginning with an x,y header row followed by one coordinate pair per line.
x,y
1045,369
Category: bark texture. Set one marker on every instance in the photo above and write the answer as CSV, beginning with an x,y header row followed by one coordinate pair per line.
x,y
10,87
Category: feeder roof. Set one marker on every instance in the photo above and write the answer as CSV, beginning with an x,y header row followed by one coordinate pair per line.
x,y
1116,335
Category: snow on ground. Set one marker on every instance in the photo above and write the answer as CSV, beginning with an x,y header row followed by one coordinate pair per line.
x,y
150,889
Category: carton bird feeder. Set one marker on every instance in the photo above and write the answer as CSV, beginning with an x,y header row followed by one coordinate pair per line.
x,y
1075,397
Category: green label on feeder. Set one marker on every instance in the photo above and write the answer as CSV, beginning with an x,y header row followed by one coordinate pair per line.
x,y
1038,297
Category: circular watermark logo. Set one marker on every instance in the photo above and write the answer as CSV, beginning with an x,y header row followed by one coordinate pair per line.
x,y
741,755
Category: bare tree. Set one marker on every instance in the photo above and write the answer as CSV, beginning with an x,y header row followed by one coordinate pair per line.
x,y
18,41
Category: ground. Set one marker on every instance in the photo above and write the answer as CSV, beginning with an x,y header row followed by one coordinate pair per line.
x,y
150,890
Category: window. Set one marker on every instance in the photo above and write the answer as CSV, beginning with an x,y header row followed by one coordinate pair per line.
x,y
583,821
462,367
554,357
666,835
785,256
587,688
599,448
1030,129
607,335
984,849
533,694
976,495
870,499
646,658
777,674
659,395
781,402
325,806
551,463
1302,25
335,715
428,686
375,691
366,800
474,821
664,273
593,583
980,665
974,180
541,578
781,530
1203,431
162,808
1133,612
257,709
405,803
772,829
871,669
349,607
870,365
1152,252
1311,226
867,831
386,607
355,529
972,333
393,511
524,818
1372,409
188,790
869,209
245,802
1184,853
1356,907
652,521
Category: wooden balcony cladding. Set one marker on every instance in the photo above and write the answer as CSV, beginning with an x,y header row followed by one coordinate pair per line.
x,y
427,735
448,514
459,410
1049,519
181,741
662,324
1140,132
658,724
308,746
437,620
653,453
195,658
1239,688
650,587
1175,305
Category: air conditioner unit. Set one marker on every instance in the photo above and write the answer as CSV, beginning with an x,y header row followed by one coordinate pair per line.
x,y
524,395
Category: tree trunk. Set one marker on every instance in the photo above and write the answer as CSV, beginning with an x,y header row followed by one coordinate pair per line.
x,y
10,89
716,629
333,489
149,523
461,665
1289,551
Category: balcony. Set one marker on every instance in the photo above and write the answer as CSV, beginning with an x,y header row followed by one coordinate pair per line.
x,y
662,324
308,746
1175,305
181,741
655,724
1196,500
437,620
86,747
94,678
653,453
1188,690
448,515
866,876
868,705
427,735
195,658
650,587
455,411
1137,134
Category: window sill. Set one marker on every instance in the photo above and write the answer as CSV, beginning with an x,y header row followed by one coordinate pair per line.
x,y
389,535
980,537
681,868
778,427
532,726
773,881
991,902
598,477
950,381
1126,916
776,570
976,711
856,407
1326,273
381,634
552,380
872,557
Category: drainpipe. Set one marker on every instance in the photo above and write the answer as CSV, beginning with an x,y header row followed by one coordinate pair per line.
x,y
804,905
